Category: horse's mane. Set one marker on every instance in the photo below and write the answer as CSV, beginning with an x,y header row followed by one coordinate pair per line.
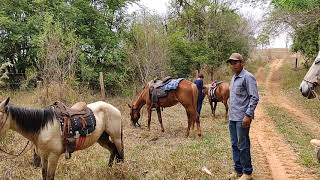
x,y
31,120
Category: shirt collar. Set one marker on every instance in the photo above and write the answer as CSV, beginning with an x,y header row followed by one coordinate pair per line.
x,y
241,73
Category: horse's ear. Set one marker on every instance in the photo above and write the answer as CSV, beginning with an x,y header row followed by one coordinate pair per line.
x,y
7,101
129,105
4,103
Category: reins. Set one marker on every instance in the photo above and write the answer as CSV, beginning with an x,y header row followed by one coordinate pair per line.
x,y
15,155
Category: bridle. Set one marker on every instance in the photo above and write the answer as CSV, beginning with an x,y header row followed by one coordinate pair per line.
x,y
1,126
5,121
135,110
312,89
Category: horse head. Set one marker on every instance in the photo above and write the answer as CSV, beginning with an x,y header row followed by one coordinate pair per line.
x,y
134,114
309,85
4,123
136,106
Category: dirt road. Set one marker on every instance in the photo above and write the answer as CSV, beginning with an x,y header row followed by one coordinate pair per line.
x,y
274,158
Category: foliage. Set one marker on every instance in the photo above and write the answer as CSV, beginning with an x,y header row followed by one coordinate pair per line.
x,y
202,32
296,5
307,41
4,73
96,27
303,17
147,49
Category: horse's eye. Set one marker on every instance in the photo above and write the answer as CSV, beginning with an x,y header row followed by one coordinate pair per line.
x,y
317,61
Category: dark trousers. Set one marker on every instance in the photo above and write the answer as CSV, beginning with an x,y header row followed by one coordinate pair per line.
x,y
199,105
240,142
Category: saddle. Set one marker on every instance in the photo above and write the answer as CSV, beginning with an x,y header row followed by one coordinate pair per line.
x,y
155,90
76,123
212,91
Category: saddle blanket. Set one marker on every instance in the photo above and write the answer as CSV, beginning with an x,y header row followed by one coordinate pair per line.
x,y
172,85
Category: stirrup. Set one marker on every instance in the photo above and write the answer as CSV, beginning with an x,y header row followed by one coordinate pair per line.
x,y
67,155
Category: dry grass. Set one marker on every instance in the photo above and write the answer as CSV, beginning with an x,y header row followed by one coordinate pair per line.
x,y
148,154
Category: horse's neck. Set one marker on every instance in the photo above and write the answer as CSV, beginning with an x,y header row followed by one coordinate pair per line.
x,y
141,101
14,126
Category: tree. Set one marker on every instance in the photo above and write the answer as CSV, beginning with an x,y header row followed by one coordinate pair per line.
x,y
203,32
97,25
303,17
147,48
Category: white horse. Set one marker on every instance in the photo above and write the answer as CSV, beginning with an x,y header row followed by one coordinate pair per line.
x,y
42,128
309,88
309,85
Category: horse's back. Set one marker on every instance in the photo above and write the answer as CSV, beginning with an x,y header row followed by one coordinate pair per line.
x,y
101,105
187,91
186,87
107,114
224,90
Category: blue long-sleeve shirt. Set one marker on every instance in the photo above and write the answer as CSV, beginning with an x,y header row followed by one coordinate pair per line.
x,y
243,96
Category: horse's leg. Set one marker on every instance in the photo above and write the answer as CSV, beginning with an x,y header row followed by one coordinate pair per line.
x,y
149,117
190,123
196,118
44,164
214,108
160,118
52,165
120,152
225,102
106,143
36,161
212,111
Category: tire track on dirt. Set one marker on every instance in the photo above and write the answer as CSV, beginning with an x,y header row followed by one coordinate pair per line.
x,y
278,160
273,86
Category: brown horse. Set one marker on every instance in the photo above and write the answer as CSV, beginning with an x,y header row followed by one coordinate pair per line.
x,y
42,128
186,93
222,95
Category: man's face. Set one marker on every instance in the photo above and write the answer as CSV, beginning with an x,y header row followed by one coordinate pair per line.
x,y
236,66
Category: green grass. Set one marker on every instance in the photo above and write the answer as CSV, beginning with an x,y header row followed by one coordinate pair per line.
x,y
295,134
290,88
253,66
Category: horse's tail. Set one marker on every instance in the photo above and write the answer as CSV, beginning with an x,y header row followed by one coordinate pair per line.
x,y
195,98
122,139
121,150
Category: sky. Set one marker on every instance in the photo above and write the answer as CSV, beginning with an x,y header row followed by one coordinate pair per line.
x,y
161,7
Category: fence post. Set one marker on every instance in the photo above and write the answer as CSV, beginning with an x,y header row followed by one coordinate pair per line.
x,y
103,92
41,99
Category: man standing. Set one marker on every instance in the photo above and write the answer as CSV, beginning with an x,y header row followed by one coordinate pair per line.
x,y
242,103
199,83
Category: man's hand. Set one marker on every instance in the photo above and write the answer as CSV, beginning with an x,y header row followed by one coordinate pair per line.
x,y
246,122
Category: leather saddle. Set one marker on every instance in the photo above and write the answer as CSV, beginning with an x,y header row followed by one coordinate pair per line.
x,y
76,121
155,90
212,91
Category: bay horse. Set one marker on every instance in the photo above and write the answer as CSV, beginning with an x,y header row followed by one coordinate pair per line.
x,y
42,128
222,93
186,94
